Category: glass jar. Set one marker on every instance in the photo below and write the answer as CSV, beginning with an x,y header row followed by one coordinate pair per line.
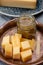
x,y
26,26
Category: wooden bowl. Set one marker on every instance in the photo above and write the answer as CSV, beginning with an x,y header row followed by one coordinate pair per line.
x,y
39,26
10,28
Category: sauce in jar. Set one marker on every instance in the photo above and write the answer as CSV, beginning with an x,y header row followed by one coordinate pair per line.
x,y
26,26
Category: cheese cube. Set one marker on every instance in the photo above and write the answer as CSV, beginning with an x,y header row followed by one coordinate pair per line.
x,y
18,38
8,51
16,53
18,35
32,44
15,40
25,45
26,55
5,40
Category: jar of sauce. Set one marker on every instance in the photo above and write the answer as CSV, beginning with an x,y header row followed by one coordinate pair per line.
x,y
26,26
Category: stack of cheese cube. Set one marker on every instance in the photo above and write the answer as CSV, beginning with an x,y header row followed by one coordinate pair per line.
x,y
26,52
17,47
7,47
15,40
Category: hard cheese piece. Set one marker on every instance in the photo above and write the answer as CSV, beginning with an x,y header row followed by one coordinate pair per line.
x,y
8,51
12,40
15,40
16,53
25,45
18,38
26,55
5,40
18,35
19,3
32,44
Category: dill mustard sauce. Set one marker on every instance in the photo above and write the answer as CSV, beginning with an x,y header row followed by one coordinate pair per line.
x,y
26,26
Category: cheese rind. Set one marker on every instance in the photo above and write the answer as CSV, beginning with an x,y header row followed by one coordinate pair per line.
x,y
19,3
26,55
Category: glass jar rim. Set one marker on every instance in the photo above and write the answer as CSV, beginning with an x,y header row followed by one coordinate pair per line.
x,y
27,15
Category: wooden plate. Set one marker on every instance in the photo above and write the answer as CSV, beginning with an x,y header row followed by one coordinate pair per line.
x,y
10,28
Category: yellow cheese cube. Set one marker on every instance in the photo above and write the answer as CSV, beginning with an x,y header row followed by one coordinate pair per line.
x,y
8,51
15,40
26,55
18,38
18,35
25,45
5,40
16,53
32,44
